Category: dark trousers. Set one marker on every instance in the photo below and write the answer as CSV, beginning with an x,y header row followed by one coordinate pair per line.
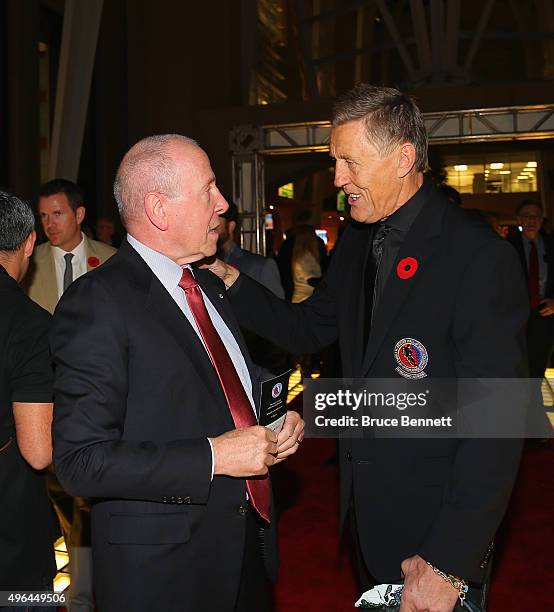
x,y
476,595
540,335
253,589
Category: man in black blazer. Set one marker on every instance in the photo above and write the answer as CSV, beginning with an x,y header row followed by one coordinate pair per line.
x,y
145,414
416,288
536,254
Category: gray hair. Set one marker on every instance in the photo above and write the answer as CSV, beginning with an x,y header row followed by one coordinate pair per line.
x,y
17,221
390,116
147,166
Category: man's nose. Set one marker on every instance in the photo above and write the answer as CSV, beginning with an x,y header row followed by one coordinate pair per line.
x,y
221,204
340,175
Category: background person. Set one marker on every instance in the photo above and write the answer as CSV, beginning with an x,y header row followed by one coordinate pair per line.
x,y
104,229
26,377
68,254
536,255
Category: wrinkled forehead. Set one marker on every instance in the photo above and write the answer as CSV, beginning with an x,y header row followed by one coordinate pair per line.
x,y
351,140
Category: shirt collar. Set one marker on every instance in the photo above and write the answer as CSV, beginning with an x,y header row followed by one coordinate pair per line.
x,y
78,251
167,271
529,241
403,218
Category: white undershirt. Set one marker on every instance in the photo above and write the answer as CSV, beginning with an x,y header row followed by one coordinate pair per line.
x,y
79,263
169,274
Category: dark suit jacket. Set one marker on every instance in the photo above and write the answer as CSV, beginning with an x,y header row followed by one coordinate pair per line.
x,y
517,242
442,499
136,399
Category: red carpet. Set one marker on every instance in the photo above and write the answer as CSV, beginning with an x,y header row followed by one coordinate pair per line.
x,y
314,576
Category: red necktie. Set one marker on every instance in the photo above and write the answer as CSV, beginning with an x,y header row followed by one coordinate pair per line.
x,y
239,405
533,276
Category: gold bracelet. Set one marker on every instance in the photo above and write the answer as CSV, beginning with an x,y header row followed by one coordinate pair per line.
x,y
458,583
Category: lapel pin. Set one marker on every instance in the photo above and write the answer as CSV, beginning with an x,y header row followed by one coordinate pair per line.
x,y
93,262
221,295
407,268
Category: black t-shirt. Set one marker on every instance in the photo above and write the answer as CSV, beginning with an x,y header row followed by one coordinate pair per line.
x,y
26,525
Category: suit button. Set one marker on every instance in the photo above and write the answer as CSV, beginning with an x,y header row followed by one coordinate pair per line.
x,y
243,510
187,500
179,500
164,500
172,499
348,456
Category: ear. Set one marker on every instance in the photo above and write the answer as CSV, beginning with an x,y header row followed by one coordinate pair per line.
x,y
155,211
29,244
80,214
406,160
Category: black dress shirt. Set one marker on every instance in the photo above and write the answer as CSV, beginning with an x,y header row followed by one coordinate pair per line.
x,y
398,224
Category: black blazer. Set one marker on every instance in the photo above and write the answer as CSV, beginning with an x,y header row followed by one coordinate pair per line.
x,y
442,499
136,398
517,241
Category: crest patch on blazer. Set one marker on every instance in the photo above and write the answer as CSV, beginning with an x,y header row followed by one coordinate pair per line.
x,y
411,357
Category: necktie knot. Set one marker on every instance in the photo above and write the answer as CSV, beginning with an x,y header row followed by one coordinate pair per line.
x,y
381,232
68,257
187,280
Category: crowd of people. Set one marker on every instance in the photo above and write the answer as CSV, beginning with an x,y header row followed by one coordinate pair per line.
x,y
144,386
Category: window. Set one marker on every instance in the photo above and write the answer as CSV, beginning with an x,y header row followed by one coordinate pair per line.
x,y
491,173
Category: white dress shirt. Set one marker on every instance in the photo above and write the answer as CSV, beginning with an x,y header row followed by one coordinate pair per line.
x,y
78,263
169,274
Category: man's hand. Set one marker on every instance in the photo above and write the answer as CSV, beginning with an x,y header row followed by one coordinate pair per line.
x,y
425,591
290,436
546,307
244,452
228,274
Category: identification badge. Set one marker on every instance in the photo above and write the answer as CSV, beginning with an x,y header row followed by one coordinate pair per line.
x,y
273,401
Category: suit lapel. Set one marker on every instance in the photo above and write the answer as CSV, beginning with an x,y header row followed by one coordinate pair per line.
x,y
169,315
50,281
358,297
163,308
420,243
212,288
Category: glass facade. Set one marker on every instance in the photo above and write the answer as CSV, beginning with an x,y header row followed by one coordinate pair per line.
x,y
493,173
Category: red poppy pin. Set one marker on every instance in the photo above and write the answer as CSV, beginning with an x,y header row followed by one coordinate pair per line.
x,y
407,268
93,262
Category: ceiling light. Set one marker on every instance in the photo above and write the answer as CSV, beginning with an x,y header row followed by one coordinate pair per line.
x,y
496,166
271,207
341,218
532,164
460,168
505,172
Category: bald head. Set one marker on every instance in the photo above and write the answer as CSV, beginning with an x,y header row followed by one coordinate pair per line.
x,y
149,166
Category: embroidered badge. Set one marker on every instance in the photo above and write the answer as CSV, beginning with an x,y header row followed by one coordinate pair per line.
x,y
276,391
93,262
407,268
411,357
